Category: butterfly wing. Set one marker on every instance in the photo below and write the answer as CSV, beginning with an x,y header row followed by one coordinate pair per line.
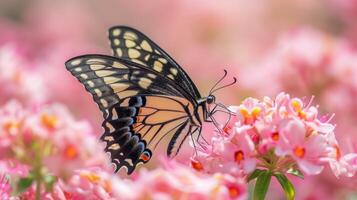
x,y
130,44
139,105
110,79
136,125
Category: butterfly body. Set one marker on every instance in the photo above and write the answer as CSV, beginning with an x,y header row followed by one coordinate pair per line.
x,y
145,97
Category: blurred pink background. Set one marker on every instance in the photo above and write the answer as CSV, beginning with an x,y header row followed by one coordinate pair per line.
x,y
305,48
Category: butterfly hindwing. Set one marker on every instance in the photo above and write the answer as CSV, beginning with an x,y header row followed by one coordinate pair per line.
x,y
130,44
136,125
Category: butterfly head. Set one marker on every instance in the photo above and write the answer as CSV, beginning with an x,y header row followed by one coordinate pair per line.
x,y
210,99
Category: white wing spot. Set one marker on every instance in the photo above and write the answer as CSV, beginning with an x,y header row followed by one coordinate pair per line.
x,y
146,46
116,42
102,73
130,35
90,83
129,43
163,60
119,52
153,76
138,61
98,92
173,71
115,146
170,76
78,69
116,32
119,65
145,83
84,76
129,161
109,138
76,62
104,102
95,61
158,66
133,53
110,79
96,67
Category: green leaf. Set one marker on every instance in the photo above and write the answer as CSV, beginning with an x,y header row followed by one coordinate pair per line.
x,y
296,173
22,185
286,185
254,174
49,181
262,185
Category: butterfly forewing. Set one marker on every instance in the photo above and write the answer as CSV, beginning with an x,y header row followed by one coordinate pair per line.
x,y
128,43
110,79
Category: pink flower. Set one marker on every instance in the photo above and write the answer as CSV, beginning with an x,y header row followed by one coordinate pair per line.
x,y
275,134
177,182
307,151
5,187
93,183
17,79
51,133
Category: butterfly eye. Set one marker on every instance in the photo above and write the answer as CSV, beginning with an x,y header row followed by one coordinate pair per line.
x,y
211,99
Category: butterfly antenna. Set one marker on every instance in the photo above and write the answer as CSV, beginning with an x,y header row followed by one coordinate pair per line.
x,y
212,89
234,81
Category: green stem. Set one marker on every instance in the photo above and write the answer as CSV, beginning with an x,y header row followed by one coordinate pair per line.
x,y
38,189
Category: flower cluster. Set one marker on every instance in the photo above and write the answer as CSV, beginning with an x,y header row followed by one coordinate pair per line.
x,y
179,182
18,78
47,134
280,135
39,138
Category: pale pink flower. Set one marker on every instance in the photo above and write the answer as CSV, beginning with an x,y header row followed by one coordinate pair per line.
x,y
177,182
59,138
307,151
284,129
5,187
91,183
17,78
11,122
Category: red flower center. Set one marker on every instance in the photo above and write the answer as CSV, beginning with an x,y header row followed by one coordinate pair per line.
x,y
275,136
233,191
239,156
70,152
299,151
196,165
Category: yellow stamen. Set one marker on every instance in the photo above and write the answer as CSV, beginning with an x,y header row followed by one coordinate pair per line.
x,y
91,177
298,108
11,125
256,112
50,121
296,105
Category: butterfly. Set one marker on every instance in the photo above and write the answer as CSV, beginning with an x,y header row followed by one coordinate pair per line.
x,y
145,96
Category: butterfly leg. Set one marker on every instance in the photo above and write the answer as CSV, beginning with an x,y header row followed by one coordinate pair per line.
x,y
193,141
201,136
